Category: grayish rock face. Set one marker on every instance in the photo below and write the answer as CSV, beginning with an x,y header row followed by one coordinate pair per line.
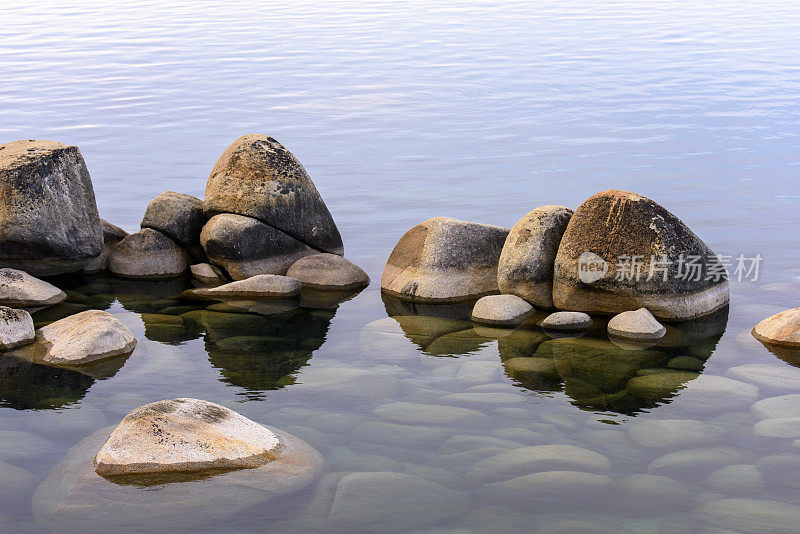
x,y
526,263
48,215
177,215
567,321
258,177
207,273
445,260
501,310
636,325
246,247
781,329
262,286
16,328
328,272
595,269
148,255
111,236
21,290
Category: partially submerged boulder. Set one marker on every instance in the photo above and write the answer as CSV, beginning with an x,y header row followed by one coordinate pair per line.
x,y
567,321
526,263
445,260
16,328
20,290
781,329
262,286
612,244
639,325
501,310
148,255
328,272
49,223
207,273
111,236
176,215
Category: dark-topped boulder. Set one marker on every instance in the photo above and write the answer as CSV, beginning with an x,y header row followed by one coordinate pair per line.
x,y
258,177
612,244
445,260
246,247
526,263
176,215
148,255
16,328
20,290
328,272
111,236
49,223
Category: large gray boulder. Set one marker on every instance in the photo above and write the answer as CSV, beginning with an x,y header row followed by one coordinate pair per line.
x,y
612,244
111,236
20,290
328,272
526,263
48,215
258,177
176,215
247,247
445,260
16,328
148,255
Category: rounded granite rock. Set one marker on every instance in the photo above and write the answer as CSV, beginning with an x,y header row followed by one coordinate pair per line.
x,y
328,272
18,289
207,273
111,236
16,328
177,215
639,325
567,321
148,255
781,329
262,286
501,310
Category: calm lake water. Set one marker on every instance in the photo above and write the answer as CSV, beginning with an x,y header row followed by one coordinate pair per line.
x,y
402,111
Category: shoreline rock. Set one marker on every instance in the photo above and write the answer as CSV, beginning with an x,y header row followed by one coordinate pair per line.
x,y
639,325
16,328
781,329
19,289
502,310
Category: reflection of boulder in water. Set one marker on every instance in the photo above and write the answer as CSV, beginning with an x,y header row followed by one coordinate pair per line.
x,y
456,310
30,386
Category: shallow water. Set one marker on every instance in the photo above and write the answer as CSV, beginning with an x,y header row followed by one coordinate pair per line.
x,y
401,111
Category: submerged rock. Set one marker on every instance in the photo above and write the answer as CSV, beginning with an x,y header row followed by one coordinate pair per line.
x,y
328,272
751,516
781,329
639,325
263,286
111,236
148,255
615,241
177,215
526,262
20,290
501,310
49,223
555,487
567,321
16,328
445,260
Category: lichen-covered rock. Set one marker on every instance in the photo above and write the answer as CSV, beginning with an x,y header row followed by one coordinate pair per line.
x,y
501,310
177,215
148,255
18,289
246,247
16,328
445,260
111,236
781,329
637,325
258,177
526,263
49,223
262,286
615,241
328,272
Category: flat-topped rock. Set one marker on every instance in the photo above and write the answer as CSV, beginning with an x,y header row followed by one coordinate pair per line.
x,y
176,215
18,289
207,273
567,321
781,329
262,286
148,255
49,223
501,310
445,260
639,325
526,263
328,272
16,328
604,260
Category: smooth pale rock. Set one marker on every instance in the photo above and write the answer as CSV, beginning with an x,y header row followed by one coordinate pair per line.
x,y
185,435
16,328
693,460
207,273
82,338
262,286
111,236
463,443
147,255
751,516
431,414
658,386
49,223
614,226
781,329
537,458
555,486
784,427
781,471
16,482
567,321
258,177
328,272
674,433
644,491
526,262
717,393
639,325
501,310
20,290
741,478
764,374
777,407
444,260
176,215
246,247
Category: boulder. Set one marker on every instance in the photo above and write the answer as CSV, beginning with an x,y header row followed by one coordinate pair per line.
x,y
262,286
501,310
176,215
111,236
781,329
246,247
615,241
567,321
526,263
445,260
148,255
16,328
328,272
207,273
48,215
21,290
639,325
258,177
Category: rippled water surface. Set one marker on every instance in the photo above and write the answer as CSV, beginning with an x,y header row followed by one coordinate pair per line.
x,y
402,111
